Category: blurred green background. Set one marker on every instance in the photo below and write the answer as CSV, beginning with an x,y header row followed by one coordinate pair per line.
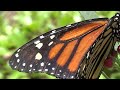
x,y
19,27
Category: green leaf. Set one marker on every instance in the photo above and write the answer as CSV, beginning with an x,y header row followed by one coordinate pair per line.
x,y
3,51
88,14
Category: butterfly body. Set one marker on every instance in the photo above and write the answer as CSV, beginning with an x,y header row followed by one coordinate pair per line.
x,y
73,51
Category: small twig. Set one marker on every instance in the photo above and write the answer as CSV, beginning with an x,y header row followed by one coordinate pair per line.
x,y
105,75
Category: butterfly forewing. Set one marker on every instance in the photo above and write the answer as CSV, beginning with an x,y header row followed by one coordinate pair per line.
x,y
63,52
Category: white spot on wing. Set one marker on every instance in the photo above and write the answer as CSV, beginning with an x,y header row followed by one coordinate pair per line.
x,y
64,75
18,60
40,70
24,64
52,73
88,54
52,36
53,68
116,18
41,37
31,65
15,67
49,63
93,44
42,64
117,31
46,70
58,74
68,25
22,69
30,70
36,42
117,14
53,32
83,67
12,63
16,55
38,56
60,70
50,43
34,69
39,45
18,50
72,76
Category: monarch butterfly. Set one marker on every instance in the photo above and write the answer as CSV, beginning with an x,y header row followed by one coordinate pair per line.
x,y
75,51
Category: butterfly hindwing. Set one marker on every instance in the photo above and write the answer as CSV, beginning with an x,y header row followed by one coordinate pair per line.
x,y
91,68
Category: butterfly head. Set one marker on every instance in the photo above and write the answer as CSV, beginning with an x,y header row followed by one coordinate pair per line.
x,y
115,25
